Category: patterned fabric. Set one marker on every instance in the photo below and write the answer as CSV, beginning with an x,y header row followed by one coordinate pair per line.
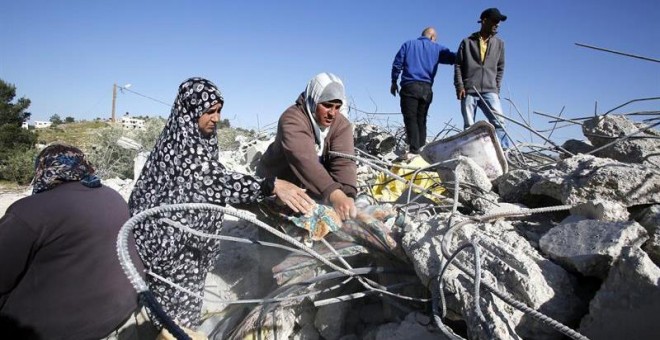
x,y
376,227
183,168
376,231
59,163
321,221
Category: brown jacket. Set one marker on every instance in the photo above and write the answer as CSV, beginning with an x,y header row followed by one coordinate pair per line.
x,y
292,156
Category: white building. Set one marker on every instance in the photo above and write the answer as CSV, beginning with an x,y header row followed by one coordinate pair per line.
x,y
40,124
132,123
25,125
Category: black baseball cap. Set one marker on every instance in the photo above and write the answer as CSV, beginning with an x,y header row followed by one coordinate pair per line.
x,y
492,14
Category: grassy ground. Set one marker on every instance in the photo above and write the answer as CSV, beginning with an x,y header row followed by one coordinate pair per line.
x,y
79,134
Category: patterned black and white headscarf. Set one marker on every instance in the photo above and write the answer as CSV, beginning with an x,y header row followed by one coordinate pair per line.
x,y
60,163
183,168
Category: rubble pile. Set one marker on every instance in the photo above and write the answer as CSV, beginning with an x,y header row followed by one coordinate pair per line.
x,y
590,264
568,244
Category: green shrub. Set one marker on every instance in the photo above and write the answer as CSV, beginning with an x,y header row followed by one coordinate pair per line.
x,y
18,166
110,159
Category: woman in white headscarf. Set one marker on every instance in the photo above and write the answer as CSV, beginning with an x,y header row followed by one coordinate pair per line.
x,y
183,168
307,131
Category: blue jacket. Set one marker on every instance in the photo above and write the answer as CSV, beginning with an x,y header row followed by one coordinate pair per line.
x,y
418,59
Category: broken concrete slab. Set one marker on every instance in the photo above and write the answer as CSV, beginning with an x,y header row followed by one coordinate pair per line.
x,y
511,262
649,218
584,177
330,320
515,186
414,326
576,146
475,184
252,150
652,246
601,210
628,302
602,130
590,247
374,140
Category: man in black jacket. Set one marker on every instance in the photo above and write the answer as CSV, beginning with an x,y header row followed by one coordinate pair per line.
x,y
478,73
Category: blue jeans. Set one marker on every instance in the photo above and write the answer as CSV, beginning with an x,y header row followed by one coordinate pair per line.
x,y
491,100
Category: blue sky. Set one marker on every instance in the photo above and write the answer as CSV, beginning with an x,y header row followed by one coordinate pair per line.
x,y
66,55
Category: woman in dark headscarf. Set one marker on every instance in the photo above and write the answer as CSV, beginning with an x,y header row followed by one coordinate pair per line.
x,y
59,163
184,168
59,271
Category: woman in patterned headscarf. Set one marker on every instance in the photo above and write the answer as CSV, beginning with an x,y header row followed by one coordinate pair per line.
x,y
183,168
59,271
59,163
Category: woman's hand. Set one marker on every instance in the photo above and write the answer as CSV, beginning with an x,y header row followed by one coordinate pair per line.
x,y
343,205
293,196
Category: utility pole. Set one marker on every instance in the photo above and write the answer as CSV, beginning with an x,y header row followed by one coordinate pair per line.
x,y
114,99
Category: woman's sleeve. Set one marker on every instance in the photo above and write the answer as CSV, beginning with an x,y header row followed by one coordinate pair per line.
x,y
299,148
220,185
342,169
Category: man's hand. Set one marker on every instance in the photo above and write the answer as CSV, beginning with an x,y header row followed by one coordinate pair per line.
x,y
394,89
460,94
293,196
343,205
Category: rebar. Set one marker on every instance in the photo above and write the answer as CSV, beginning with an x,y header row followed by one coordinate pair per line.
x,y
619,53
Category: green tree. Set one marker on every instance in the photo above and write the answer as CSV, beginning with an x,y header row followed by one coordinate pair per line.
x,y
224,124
69,119
15,113
55,119
152,130
14,140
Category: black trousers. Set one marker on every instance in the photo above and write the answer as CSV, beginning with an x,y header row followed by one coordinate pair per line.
x,y
416,99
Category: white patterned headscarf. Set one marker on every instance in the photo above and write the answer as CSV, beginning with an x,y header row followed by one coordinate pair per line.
x,y
183,167
322,88
181,150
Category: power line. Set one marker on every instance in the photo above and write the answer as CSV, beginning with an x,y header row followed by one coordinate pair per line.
x,y
145,96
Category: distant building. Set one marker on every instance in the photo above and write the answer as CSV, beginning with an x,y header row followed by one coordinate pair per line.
x,y
40,124
132,123
25,125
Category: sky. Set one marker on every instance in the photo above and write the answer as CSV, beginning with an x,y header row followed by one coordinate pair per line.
x,y
65,56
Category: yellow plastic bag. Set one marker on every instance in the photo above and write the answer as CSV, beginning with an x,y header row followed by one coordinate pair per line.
x,y
194,335
389,189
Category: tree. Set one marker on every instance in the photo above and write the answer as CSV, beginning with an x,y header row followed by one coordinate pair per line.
x,y
12,116
12,113
69,119
55,119
13,138
224,124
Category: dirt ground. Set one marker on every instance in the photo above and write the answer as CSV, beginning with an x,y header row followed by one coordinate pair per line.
x,y
11,195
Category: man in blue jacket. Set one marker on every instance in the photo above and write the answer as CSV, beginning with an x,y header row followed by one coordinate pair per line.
x,y
417,62
478,73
